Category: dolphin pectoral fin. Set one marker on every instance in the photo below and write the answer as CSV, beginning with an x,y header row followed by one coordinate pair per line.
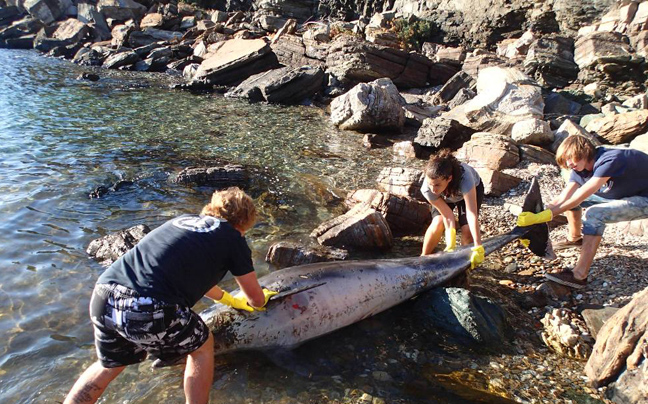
x,y
538,234
289,292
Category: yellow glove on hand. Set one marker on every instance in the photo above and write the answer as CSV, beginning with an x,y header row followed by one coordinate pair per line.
x,y
267,294
450,239
528,218
236,302
477,256
525,242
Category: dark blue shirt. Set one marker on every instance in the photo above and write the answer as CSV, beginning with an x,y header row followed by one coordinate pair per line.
x,y
181,260
627,169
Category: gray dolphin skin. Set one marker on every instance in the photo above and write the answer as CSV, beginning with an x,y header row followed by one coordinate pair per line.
x,y
317,299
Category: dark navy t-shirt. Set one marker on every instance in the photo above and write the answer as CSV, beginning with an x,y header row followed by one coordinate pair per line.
x,y
627,169
181,260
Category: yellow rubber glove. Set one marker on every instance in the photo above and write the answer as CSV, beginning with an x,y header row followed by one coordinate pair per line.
x,y
525,242
477,256
234,301
267,294
450,239
528,218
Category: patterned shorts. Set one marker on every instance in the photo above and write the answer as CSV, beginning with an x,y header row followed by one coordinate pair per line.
x,y
600,212
128,326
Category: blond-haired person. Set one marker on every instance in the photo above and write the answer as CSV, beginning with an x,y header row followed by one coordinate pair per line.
x,y
141,304
611,183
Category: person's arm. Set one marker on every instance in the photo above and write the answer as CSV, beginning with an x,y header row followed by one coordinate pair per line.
x,y
445,212
470,198
567,192
250,287
579,194
448,222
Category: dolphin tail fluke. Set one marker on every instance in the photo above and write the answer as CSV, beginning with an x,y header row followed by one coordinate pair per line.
x,y
538,235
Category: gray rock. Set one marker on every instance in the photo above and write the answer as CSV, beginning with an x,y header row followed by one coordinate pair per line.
x,y
595,318
121,60
47,11
286,85
439,133
550,60
459,81
235,61
121,10
352,61
371,107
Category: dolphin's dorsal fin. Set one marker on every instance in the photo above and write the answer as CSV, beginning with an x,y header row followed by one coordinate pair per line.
x,y
289,292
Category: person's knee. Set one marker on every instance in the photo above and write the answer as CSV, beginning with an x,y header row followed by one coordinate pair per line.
x,y
594,221
207,348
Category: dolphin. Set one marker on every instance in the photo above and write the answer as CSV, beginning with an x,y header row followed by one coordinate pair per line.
x,y
319,298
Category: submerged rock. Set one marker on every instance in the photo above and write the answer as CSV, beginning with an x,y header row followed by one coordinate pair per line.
x,y
221,177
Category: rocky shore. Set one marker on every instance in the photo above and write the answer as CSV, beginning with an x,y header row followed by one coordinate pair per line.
x,y
502,83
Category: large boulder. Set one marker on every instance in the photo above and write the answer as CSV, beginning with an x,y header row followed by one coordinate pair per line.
x,y
620,128
46,11
489,150
286,254
352,61
121,10
619,358
401,181
550,60
370,107
405,216
496,182
361,227
569,128
88,14
505,96
236,60
292,51
607,56
286,85
438,133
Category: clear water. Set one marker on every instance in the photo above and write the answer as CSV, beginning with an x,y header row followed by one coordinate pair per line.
x,y
61,137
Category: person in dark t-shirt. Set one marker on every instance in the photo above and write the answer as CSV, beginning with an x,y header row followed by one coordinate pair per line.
x,y
141,304
611,183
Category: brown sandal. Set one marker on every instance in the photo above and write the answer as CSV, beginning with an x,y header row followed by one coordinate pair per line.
x,y
567,243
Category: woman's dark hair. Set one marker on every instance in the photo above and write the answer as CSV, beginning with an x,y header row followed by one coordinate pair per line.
x,y
443,165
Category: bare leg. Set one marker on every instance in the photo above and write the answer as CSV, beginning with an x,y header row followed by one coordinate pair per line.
x,y
588,251
466,235
199,373
433,235
91,384
574,224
